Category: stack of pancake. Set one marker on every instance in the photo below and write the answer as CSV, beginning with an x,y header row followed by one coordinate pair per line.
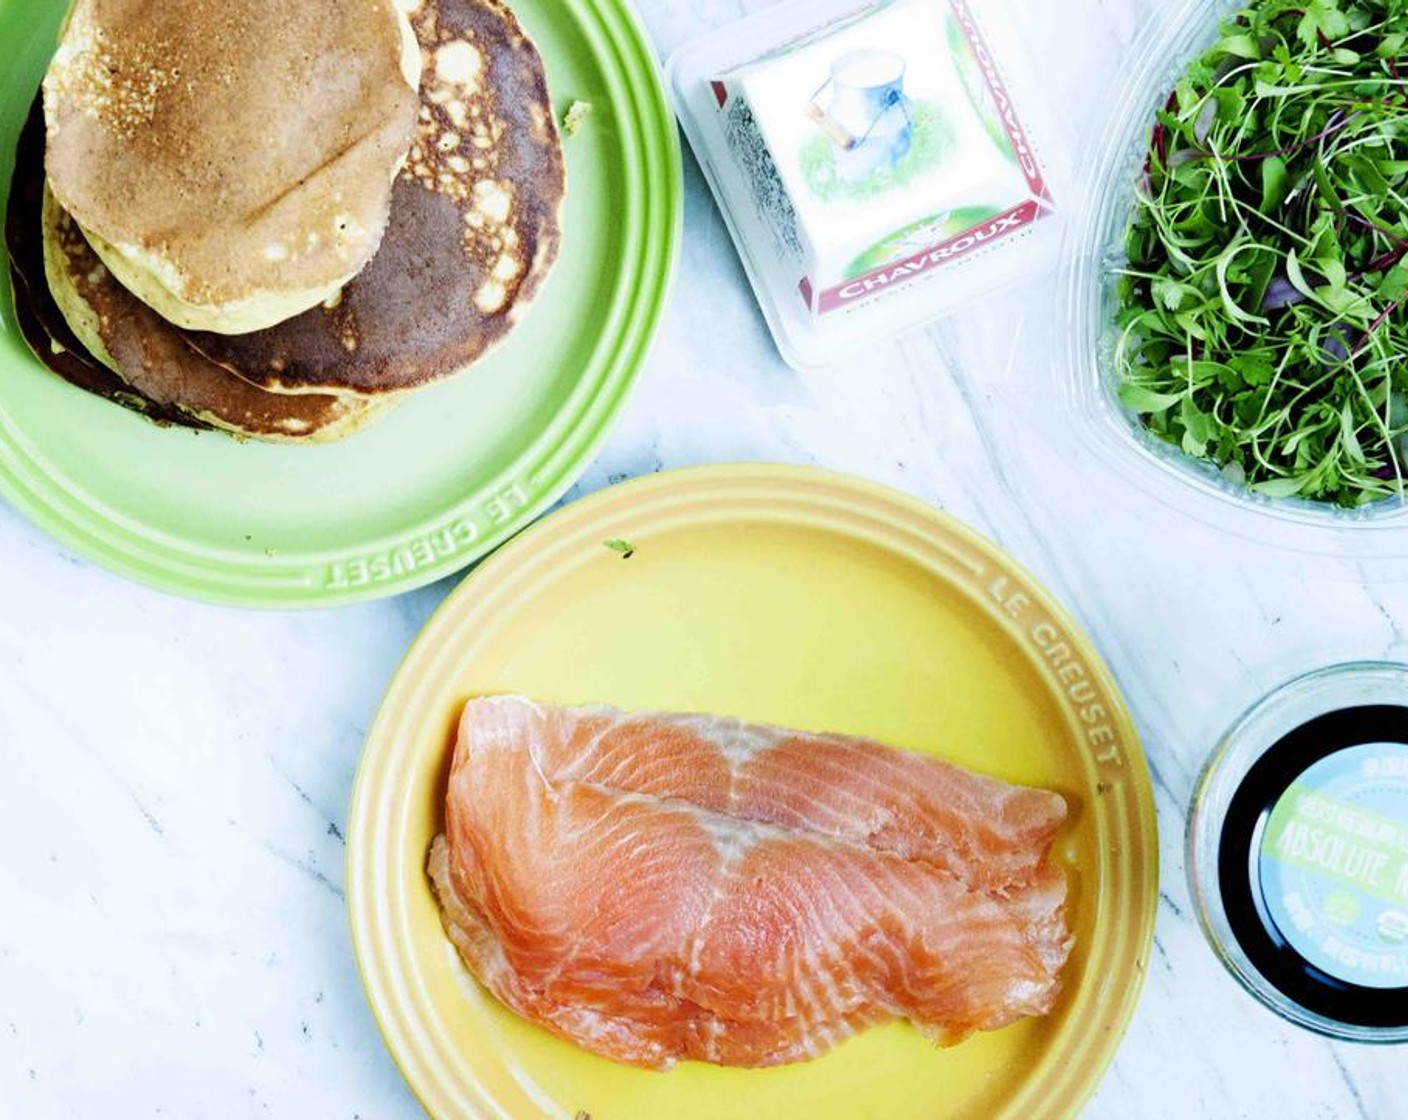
x,y
279,217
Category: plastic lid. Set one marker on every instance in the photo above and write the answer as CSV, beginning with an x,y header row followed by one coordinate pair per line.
x,y
1298,852
879,164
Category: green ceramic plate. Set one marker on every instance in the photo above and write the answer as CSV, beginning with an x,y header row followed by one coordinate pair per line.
x,y
444,479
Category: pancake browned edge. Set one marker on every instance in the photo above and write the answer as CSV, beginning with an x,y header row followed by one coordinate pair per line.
x,y
475,226
41,322
162,378
146,351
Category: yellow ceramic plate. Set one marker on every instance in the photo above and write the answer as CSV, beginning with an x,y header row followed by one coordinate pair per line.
x,y
793,597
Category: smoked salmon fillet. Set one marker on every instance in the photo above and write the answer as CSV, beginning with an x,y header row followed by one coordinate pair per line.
x,y
659,887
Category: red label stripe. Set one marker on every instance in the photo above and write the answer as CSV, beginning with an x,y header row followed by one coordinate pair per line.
x,y
926,261
1006,110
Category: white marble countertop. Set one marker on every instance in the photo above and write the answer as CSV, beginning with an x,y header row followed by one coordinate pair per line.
x,y
176,777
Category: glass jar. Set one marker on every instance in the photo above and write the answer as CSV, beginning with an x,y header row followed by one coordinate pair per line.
x,y
1298,852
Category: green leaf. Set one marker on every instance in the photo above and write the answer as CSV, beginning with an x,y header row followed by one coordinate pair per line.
x,y
1252,369
1322,17
625,548
1241,46
1297,277
1344,304
1394,286
1367,173
1169,293
576,116
1281,487
1326,185
1348,437
1190,324
1199,429
1275,184
1391,45
1223,264
1334,272
1146,401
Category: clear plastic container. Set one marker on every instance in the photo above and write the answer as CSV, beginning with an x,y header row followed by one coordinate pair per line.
x,y
1105,195
976,236
1298,852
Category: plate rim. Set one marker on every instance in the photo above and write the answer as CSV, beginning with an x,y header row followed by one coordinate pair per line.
x,y
553,460
1074,1081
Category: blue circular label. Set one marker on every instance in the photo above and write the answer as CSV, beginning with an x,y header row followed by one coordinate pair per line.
x,y
1334,865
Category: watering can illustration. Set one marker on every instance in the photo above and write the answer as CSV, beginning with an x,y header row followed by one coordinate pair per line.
x,y
862,107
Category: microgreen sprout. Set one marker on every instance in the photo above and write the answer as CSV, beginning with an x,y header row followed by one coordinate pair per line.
x,y
1261,320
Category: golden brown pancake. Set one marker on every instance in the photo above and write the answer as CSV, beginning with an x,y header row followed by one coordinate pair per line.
x,y
474,226
172,391
148,353
231,160
40,321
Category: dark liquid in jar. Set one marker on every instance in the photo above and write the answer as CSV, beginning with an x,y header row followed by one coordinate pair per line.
x,y
1273,955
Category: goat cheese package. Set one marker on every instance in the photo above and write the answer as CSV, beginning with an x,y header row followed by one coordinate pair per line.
x,y
876,163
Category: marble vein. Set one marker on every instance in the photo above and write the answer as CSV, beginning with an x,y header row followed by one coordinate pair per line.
x,y
174,774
